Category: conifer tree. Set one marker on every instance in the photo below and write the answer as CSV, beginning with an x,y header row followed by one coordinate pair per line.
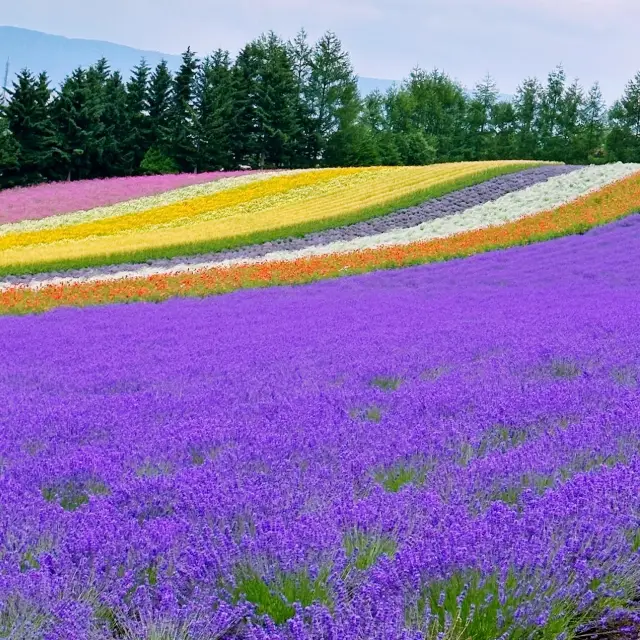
x,y
277,109
9,151
159,106
214,103
332,86
592,119
116,157
245,77
138,139
623,141
301,52
527,109
479,118
27,117
504,120
182,115
77,117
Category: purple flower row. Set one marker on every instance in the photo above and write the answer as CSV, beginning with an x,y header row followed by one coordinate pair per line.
x,y
385,449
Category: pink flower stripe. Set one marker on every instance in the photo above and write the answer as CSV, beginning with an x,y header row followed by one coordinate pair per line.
x,y
41,201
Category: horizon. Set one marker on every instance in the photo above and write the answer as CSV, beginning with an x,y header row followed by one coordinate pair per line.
x,y
515,42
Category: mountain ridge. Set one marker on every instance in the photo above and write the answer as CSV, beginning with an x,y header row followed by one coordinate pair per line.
x,y
60,55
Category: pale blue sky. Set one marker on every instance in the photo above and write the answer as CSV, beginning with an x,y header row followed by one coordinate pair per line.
x,y
511,39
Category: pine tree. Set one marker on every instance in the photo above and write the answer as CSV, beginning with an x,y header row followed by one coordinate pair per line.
x,y
527,108
301,52
434,105
215,112
353,143
592,125
77,116
569,124
27,117
116,155
550,115
138,139
623,140
504,121
246,77
182,120
159,106
9,152
332,84
277,107
479,119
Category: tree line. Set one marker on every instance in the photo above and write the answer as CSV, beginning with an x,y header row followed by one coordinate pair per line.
x,y
292,104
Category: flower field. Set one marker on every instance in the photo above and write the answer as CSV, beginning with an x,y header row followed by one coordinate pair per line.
x,y
344,226
447,448
442,446
226,213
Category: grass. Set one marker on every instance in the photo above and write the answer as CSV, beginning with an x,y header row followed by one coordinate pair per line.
x,y
365,548
373,414
72,495
402,474
277,596
292,230
386,384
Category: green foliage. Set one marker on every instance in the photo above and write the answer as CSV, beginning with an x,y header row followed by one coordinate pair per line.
x,y
276,595
214,104
294,104
366,547
71,495
9,151
156,162
32,152
386,384
182,119
401,474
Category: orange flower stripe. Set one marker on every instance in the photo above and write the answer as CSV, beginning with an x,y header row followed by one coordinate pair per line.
x,y
606,205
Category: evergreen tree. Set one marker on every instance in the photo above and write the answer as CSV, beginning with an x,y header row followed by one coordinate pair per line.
x,y
138,139
527,108
591,127
215,112
183,145
246,77
332,85
352,143
117,157
9,152
623,140
434,105
569,125
77,117
301,52
479,118
277,109
27,117
504,121
550,115
159,108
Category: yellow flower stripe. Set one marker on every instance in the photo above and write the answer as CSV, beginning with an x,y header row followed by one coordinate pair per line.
x,y
333,199
177,212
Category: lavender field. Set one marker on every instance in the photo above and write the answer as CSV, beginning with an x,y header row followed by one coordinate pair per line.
x,y
445,451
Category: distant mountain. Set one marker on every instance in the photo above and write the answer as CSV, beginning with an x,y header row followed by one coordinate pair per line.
x,y
58,56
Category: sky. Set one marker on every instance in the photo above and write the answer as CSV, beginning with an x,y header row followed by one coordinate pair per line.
x,y
510,39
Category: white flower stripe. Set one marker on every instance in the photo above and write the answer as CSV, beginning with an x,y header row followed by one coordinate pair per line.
x,y
553,193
